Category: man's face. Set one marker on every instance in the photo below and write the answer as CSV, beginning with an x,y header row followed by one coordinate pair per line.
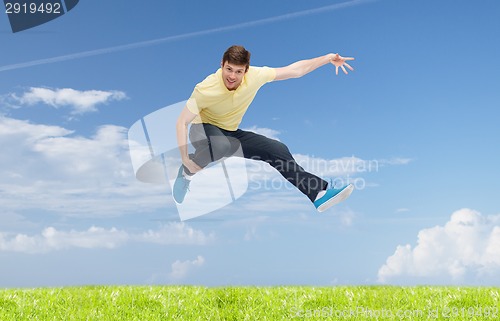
x,y
232,75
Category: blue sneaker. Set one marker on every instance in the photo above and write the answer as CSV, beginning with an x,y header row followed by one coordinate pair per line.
x,y
333,196
181,186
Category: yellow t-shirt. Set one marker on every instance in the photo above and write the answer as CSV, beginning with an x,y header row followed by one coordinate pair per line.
x,y
215,104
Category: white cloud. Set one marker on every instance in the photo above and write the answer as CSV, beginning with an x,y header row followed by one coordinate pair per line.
x,y
346,216
251,225
395,161
180,269
47,167
20,129
14,221
268,132
178,233
465,249
79,102
345,166
51,239
337,167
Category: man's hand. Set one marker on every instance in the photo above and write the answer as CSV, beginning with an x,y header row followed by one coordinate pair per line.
x,y
191,166
339,61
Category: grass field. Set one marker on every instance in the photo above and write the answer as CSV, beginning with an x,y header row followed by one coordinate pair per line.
x,y
250,303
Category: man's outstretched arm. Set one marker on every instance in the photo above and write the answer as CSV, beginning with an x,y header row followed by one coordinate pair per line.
x,y
303,67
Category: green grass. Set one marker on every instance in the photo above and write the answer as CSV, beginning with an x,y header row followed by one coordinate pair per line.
x,y
250,303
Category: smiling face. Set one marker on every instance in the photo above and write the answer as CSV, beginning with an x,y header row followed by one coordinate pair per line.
x,y
232,75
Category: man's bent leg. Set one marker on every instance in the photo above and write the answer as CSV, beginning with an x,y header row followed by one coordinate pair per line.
x,y
211,144
278,155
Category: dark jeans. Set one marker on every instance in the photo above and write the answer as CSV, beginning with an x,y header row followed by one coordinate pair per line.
x,y
212,143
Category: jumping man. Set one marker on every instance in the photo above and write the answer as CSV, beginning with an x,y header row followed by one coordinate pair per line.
x,y
215,110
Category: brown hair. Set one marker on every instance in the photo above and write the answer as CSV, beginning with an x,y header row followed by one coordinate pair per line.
x,y
237,55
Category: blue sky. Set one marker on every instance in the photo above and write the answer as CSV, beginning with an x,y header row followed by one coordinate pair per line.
x,y
422,104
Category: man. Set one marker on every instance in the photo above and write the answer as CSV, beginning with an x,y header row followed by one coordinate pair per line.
x,y
215,110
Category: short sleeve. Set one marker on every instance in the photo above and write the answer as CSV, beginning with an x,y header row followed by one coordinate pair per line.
x,y
192,105
269,73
